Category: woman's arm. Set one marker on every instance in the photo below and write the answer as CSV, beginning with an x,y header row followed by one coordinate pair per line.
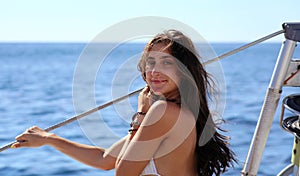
x,y
90,155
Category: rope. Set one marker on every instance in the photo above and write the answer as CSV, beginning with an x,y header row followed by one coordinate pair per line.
x,y
7,146
292,75
243,47
72,119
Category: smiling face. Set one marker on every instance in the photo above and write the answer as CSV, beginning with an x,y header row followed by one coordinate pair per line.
x,y
162,71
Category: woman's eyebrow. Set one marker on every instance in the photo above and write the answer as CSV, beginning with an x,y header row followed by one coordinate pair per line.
x,y
150,58
161,57
166,57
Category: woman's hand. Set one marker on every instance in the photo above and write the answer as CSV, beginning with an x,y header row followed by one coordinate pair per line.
x,y
32,137
145,100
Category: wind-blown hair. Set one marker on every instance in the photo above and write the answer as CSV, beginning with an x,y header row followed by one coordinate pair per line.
x,y
213,154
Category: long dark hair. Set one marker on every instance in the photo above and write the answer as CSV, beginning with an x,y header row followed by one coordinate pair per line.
x,y
213,154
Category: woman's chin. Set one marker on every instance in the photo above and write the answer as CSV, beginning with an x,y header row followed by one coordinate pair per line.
x,y
158,93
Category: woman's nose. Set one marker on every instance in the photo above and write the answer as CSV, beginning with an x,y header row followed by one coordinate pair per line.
x,y
156,69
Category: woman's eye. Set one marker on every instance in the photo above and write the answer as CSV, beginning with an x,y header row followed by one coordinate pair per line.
x,y
150,64
167,63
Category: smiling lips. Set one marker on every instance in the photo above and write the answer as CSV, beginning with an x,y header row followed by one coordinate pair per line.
x,y
158,82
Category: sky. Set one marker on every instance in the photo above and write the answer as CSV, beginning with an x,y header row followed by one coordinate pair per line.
x,y
82,20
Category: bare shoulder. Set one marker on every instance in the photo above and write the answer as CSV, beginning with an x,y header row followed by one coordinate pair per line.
x,y
164,115
163,112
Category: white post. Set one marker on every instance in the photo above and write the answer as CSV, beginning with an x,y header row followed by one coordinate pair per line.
x,y
268,110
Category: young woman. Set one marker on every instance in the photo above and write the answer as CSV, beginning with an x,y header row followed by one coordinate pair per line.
x,y
172,133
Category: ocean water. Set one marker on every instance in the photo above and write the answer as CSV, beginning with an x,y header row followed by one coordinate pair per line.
x,y
38,86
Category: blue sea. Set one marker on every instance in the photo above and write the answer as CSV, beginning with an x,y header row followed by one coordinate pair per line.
x,y
38,86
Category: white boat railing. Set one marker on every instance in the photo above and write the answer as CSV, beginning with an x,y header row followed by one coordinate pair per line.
x,y
280,73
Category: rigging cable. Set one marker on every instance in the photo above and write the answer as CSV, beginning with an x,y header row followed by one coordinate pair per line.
x,y
7,146
244,47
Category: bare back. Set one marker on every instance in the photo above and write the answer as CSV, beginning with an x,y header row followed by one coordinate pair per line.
x,y
168,135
